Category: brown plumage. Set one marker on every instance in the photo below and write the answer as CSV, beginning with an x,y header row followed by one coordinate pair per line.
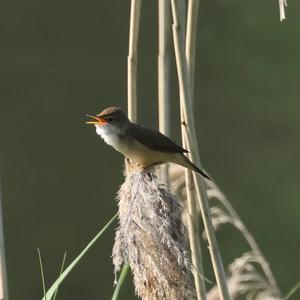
x,y
141,145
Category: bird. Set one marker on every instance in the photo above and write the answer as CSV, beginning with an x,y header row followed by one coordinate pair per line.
x,y
143,146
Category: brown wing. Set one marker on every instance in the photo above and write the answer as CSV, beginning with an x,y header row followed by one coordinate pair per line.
x,y
153,139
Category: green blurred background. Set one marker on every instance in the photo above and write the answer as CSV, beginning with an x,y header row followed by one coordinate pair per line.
x,y
62,59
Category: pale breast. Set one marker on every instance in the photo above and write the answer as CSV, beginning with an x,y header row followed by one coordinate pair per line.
x,y
131,148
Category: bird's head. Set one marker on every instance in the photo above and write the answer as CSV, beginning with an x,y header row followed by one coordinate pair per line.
x,y
111,120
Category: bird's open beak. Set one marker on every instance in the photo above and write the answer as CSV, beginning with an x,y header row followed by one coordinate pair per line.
x,y
97,120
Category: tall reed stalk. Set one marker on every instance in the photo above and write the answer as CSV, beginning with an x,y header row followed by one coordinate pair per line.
x,y
135,13
190,44
164,64
193,218
3,274
191,139
194,236
282,5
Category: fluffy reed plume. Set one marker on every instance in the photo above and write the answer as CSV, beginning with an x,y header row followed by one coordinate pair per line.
x,y
245,280
151,239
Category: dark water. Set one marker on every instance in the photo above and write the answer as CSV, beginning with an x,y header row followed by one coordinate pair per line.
x,y
63,59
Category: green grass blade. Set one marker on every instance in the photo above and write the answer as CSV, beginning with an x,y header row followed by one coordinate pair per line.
x,y
121,280
50,293
292,290
42,272
60,272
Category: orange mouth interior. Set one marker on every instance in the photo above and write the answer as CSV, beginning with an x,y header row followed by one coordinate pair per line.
x,y
97,120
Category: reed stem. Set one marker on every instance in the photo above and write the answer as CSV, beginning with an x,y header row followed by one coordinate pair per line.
x,y
191,38
282,5
164,85
190,131
3,274
194,237
192,215
135,13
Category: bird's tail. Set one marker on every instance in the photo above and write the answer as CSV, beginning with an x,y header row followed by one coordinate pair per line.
x,y
193,167
182,160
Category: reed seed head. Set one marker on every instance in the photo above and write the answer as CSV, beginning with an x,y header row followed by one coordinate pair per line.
x,y
151,239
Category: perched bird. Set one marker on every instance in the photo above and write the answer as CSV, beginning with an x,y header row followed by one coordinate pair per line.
x,y
143,146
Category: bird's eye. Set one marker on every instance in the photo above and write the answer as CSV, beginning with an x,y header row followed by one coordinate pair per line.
x,y
110,119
